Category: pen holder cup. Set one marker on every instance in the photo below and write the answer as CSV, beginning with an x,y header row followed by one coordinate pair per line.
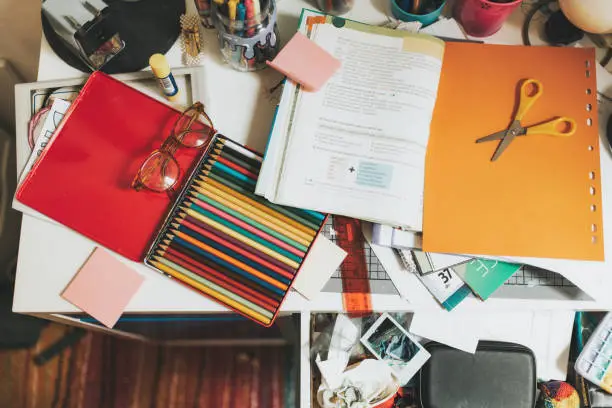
x,y
429,16
482,18
247,45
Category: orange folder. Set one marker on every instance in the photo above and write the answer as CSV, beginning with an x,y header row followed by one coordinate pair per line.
x,y
542,197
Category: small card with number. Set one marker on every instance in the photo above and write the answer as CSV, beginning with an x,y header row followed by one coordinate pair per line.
x,y
390,342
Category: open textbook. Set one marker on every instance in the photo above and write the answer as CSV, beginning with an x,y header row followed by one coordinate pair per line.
x,y
357,146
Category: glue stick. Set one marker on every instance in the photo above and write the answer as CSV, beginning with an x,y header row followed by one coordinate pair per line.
x,y
161,70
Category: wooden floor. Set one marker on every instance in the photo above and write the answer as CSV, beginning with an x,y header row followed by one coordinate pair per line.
x,y
106,371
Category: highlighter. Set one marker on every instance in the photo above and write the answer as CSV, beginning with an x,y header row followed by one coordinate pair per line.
x,y
161,70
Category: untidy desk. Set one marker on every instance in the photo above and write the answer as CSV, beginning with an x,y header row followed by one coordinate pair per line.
x,y
50,255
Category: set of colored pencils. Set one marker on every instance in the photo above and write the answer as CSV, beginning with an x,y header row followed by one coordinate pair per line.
x,y
230,244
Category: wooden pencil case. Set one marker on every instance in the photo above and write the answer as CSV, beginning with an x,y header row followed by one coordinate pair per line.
x,y
231,245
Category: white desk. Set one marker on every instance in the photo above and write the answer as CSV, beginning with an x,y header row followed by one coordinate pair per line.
x,y
49,254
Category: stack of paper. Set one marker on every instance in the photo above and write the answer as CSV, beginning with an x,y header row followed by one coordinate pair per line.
x,y
361,146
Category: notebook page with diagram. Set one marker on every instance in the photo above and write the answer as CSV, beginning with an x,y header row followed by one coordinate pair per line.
x,y
357,146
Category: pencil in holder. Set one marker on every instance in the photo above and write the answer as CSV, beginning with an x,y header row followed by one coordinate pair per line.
x,y
247,32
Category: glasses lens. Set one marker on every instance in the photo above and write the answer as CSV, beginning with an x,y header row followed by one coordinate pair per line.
x,y
194,127
159,172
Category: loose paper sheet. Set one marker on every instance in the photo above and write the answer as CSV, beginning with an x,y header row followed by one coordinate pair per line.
x,y
318,266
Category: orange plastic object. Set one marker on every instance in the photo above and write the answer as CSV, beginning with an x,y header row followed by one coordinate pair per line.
x,y
542,198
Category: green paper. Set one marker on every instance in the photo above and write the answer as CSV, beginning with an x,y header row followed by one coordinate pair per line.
x,y
484,276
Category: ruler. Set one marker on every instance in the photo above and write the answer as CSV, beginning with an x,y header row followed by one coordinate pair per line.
x,y
356,295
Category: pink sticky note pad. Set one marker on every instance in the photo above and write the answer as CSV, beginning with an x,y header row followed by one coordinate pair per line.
x,y
305,62
103,287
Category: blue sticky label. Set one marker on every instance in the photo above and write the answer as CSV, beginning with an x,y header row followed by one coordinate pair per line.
x,y
373,174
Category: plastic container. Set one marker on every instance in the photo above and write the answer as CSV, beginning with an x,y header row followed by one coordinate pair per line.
x,y
425,19
247,45
482,18
335,7
161,70
594,362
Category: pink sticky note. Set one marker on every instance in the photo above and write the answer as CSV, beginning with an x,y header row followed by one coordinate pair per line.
x,y
305,62
103,287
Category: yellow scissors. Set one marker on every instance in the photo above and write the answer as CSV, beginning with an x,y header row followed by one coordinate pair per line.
x,y
530,91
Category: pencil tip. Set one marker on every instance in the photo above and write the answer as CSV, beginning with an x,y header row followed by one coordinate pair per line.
x,y
175,224
164,247
167,242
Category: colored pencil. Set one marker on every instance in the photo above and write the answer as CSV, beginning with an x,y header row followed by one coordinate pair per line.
x,y
226,238
223,202
196,271
239,258
217,278
243,236
267,298
242,150
234,166
205,289
234,158
225,257
267,291
249,238
234,153
254,213
235,217
218,261
237,252
294,213
265,209
254,237
223,168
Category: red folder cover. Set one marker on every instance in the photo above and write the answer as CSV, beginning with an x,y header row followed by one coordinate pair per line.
x,y
82,180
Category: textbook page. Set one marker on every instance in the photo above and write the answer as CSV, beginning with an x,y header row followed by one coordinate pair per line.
x,y
357,146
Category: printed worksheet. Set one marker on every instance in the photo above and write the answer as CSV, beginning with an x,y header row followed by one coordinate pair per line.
x,y
357,147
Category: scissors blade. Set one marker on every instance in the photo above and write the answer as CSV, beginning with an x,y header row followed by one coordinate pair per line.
x,y
495,136
513,131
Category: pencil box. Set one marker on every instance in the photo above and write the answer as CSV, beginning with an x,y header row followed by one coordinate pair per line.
x,y
499,374
215,236
230,244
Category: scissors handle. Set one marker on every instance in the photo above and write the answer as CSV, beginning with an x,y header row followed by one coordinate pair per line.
x,y
562,126
530,91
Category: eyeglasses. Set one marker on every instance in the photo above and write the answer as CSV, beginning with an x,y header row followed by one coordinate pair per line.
x,y
160,171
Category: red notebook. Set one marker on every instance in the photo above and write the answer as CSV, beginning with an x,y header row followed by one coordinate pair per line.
x,y
82,180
